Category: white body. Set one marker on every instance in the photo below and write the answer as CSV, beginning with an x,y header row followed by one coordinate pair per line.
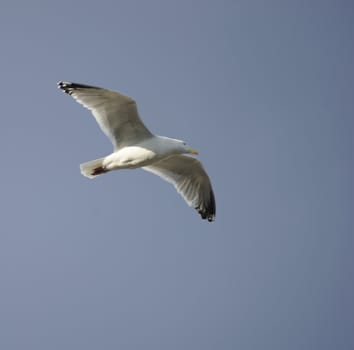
x,y
141,154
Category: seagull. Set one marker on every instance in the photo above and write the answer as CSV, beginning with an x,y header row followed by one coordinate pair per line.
x,y
135,146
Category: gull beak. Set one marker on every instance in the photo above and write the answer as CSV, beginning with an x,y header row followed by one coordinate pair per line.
x,y
192,151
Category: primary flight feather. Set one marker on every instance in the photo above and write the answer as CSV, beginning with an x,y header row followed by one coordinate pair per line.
x,y
136,147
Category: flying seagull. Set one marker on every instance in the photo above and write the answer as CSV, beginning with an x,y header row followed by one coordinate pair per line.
x,y
136,147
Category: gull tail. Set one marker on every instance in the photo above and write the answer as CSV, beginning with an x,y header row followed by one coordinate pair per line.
x,y
93,168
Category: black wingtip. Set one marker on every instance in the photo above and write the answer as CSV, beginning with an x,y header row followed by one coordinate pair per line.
x,y
65,86
208,212
69,88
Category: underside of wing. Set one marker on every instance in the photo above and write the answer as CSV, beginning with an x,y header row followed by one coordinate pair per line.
x,y
191,182
116,114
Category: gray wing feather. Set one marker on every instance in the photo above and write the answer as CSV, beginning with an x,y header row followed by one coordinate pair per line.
x,y
116,114
190,180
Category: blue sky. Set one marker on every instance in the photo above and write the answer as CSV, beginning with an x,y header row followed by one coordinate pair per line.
x,y
264,91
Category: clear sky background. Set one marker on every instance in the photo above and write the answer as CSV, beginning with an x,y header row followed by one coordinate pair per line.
x,y
264,91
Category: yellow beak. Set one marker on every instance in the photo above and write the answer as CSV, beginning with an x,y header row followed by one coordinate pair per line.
x,y
192,151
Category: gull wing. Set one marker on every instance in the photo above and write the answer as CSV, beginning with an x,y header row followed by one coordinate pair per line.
x,y
116,114
190,180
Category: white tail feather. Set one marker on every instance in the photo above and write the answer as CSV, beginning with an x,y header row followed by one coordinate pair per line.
x,y
87,169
